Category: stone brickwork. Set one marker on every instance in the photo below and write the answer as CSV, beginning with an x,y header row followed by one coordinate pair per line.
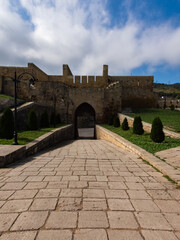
x,y
106,94
13,153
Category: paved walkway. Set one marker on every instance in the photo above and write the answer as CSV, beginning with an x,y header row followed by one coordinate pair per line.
x,y
87,190
171,156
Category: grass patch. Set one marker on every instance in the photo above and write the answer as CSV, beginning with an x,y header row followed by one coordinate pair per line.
x,y
170,119
144,141
9,97
28,136
151,165
169,179
5,96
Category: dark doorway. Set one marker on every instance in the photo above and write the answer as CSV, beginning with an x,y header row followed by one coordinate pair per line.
x,y
85,121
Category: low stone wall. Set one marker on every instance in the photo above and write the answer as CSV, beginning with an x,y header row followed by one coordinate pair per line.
x,y
146,126
51,138
11,153
6,102
166,169
23,110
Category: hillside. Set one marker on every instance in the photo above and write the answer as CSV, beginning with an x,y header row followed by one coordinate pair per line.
x,y
169,90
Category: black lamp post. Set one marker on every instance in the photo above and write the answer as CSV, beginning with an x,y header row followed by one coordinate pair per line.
x,y
16,79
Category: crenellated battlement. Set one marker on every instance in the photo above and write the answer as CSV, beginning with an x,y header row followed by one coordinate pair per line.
x,y
82,81
106,94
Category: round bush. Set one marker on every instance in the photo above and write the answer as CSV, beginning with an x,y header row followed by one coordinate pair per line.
x,y
32,122
157,134
137,126
44,122
116,122
7,124
125,125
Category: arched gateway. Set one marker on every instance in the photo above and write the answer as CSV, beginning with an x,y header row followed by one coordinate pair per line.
x,y
76,98
85,118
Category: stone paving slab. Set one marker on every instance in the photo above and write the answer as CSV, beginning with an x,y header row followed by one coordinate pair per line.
x,y
87,189
164,167
171,156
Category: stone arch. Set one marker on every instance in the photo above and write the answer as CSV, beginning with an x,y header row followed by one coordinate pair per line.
x,y
85,117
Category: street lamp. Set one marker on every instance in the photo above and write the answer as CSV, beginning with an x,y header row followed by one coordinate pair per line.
x,y
164,104
16,79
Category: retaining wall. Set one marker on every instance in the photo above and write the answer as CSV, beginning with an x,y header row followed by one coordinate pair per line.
x,y
12,153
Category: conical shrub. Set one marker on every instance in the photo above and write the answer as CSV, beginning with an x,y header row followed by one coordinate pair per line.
x,y
116,122
7,124
137,126
32,122
44,122
157,134
110,121
125,125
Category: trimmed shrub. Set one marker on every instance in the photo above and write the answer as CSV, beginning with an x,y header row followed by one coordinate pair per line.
x,y
116,122
7,124
164,106
58,119
44,121
137,126
110,121
172,107
32,122
125,125
157,134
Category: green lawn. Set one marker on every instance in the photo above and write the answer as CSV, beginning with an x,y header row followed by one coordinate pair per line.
x,y
27,136
170,119
144,141
5,96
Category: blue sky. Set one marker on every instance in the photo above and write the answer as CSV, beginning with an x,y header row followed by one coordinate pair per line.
x,y
134,37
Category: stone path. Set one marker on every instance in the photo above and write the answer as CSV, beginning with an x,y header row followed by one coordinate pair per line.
x,y
171,156
87,190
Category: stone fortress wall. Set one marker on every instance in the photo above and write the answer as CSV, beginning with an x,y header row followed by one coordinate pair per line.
x,y
106,94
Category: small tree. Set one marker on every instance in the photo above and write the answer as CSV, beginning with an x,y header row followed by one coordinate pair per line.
x,y
58,118
44,122
32,122
172,107
157,134
164,105
116,122
125,125
110,121
137,126
7,124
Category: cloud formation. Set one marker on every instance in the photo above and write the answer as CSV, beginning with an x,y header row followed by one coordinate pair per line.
x,y
79,33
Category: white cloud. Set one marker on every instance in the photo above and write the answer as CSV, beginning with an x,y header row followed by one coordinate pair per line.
x,y
78,33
